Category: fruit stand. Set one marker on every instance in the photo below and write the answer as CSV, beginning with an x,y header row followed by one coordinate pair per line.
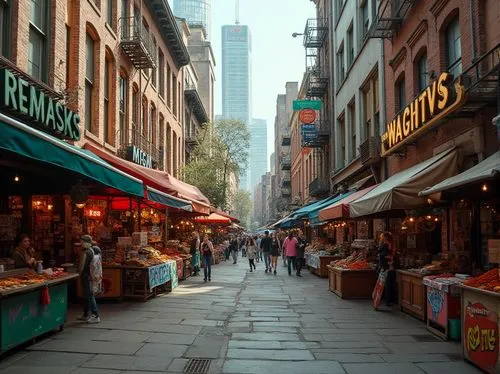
x,y
318,262
31,305
353,277
480,322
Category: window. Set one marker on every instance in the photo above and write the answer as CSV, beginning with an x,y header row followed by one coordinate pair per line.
x,y
68,55
350,46
153,70
400,94
341,160
38,36
169,86
422,72
107,122
145,118
174,94
341,64
89,81
135,108
352,128
109,13
161,73
4,28
152,126
124,9
453,48
123,109
365,19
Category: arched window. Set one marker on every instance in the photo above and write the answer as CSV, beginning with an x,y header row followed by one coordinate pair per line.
x,y
123,109
109,102
453,47
91,81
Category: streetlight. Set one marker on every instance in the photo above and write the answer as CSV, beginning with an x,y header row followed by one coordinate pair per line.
x,y
295,34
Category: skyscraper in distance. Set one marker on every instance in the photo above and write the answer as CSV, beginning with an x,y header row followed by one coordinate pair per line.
x,y
196,12
236,80
258,151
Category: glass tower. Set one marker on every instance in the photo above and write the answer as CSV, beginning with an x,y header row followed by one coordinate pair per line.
x,y
258,151
196,12
236,80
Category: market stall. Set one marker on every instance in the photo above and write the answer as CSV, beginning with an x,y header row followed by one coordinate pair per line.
x,y
31,304
354,276
319,254
480,321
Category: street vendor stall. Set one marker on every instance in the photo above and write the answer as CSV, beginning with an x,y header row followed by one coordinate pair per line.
x,y
318,255
31,304
480,321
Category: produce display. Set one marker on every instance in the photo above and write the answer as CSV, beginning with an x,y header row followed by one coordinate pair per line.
x,y
356,260
317,246
29,278
489,281
147,256
359,265
435,267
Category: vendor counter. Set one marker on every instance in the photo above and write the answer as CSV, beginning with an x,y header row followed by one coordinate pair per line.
x,y
318,262
25,314
412,294
351,284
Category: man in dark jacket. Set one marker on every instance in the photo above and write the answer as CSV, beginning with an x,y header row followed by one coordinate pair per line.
x,y
301,246
233,248
266,244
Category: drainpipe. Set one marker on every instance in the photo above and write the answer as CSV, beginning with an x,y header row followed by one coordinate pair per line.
x,y
383,107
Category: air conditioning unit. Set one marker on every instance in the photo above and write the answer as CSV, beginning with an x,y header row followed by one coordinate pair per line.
x,y
370,150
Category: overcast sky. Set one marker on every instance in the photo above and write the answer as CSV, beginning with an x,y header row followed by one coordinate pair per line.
x,y
276,56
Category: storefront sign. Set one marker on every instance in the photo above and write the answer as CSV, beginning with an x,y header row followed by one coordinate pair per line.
x,y
307,104
159,274
307,115
138,156
93,213
19,97
309,134
433,104
481,335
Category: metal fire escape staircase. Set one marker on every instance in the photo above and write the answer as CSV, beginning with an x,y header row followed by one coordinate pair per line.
x,y
315,34
390,16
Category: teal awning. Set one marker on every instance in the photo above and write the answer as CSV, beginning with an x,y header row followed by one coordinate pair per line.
x,y
168,200
313,214
304,211
37,145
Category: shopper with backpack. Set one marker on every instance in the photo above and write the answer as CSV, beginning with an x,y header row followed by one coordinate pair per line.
x,y
90,269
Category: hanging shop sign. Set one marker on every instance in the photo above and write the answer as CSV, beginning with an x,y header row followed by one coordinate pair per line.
x,y
139,157
307,104
307,116
25,100
309,134
439,99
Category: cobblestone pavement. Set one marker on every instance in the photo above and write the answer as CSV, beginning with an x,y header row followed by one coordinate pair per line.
x,y
242,322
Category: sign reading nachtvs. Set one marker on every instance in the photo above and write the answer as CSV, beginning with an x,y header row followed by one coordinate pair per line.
x,y
435,102
19,97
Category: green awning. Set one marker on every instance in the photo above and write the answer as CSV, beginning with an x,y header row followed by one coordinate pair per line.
x,y
168,200
37,145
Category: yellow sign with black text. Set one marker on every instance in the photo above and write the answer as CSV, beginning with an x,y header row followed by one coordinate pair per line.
x,y
439,99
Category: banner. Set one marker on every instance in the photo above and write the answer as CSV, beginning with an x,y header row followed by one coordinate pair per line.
x,y
159,274
309,134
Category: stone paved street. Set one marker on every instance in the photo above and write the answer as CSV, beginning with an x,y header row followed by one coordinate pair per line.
x,y
243,322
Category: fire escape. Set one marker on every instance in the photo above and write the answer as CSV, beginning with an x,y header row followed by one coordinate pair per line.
x,y
136,42
390,16
315,34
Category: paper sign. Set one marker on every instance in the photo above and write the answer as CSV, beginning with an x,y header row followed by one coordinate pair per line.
x,y
494,251
379,288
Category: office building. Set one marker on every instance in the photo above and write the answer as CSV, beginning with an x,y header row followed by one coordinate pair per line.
x,y
236,80
196,12
258,150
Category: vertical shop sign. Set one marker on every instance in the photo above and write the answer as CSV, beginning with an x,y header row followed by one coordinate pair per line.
x,y
379,288
481,335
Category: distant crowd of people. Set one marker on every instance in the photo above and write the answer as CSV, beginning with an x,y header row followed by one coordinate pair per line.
x,y
267,248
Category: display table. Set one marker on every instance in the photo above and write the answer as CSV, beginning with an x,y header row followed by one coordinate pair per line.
x,y
443,304
23,317
351,284
412,295
318,262
480,328
146,282
111,283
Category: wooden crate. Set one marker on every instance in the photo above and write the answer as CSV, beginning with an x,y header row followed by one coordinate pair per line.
x,y
331,278
353,284
136,283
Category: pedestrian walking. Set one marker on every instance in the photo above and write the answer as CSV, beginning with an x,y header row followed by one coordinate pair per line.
x,y
387,262
301,247
275,251
233,248
207,249
90,269
227,251
290,249
195,252
265,246
258,239
251,252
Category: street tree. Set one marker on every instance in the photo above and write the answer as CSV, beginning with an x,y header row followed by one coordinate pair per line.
x,y
243,207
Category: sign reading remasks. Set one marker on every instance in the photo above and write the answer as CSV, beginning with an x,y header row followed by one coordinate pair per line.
x,y
19,97
435,102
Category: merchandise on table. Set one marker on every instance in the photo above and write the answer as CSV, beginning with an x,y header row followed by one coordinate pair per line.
x,y
22,278
489,281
